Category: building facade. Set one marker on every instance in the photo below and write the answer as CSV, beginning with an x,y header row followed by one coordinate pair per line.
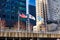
x,y
53,14
53,9
40,14
49,10
32,11
9,13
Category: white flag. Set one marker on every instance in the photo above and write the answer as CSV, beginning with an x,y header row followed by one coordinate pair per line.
x,y
31,17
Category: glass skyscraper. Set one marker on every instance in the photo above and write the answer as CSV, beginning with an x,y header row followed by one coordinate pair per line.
x,y
9,11
9,14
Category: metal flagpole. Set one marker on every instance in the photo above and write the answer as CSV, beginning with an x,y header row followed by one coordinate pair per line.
x,y
18,21
0,25
27,13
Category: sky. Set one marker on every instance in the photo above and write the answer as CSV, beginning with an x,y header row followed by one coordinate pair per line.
x,y
32,2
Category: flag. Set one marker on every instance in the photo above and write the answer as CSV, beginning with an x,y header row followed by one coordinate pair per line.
x,y
31,17
22,15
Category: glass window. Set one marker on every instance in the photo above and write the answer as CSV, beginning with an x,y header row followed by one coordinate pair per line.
x,y
3,15
21,8
12,17
55,0
7,16
23,0
21,3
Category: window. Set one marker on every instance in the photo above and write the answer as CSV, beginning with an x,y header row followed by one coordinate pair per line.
x,y
3,16
7,16
23,0
12,17
55,0
21,8
21,3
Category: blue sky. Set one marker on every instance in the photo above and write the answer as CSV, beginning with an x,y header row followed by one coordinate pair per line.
x,y
32,2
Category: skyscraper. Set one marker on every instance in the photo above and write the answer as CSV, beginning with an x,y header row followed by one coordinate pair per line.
x,y
53,13
40,14
9,11
49,11
53,10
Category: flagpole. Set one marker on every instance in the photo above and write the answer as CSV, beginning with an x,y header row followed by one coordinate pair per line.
x,y
18,22
0,24
27,13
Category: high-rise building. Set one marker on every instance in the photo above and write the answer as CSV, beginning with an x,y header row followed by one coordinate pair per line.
x,y
53,10
50,8
10,10
53,14
32,11
39,11
49,11
40,14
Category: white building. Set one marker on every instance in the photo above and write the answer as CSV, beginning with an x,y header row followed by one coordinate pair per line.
x,y
50,8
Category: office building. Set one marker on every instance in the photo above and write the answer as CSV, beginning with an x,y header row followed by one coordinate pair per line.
x,y
53,10
49,11
10,10
40,14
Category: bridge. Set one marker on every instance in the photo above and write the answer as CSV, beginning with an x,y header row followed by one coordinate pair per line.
x,y
29,35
